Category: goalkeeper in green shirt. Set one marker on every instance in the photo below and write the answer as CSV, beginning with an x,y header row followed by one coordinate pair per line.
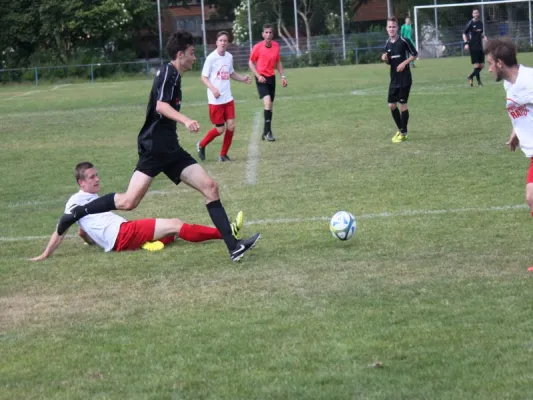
x,y
407,33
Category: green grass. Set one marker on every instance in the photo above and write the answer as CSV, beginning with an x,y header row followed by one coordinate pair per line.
x,y
440,299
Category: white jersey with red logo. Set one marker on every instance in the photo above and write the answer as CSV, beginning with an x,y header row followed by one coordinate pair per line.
x,y
520,107
102,228
218,69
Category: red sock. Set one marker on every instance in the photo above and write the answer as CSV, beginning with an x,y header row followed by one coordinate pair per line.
x,y
198,233
209,137
167,239
228,138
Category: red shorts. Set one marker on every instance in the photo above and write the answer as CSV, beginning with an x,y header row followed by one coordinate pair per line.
x,y
530,172
220,113
133,234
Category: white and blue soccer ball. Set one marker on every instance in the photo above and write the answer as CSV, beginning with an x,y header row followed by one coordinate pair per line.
x,y
342,225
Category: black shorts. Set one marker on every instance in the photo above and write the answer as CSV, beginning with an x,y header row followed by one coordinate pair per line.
x,y
399,94
171,164
477,56
268,88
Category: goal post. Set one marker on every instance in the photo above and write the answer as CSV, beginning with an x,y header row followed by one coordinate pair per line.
x,y
439,27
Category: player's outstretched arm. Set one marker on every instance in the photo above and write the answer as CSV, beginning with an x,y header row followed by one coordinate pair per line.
x,y
166,110
513,141
241,78
279,67
52,246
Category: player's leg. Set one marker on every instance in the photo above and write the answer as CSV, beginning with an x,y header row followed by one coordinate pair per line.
x,y
529,196
480,65
139,184
392,99
473,61
191,233
216,114
404,112
271,85
229,115
196,177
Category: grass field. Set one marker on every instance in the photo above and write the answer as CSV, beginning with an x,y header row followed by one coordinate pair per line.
x,y
433,286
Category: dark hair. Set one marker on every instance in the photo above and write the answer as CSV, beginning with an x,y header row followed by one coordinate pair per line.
x,y
392,18
79,170
266,26
222,33
503,50
179,41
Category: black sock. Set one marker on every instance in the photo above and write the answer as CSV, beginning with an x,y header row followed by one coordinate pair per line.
x,y
471,76
220,219
268,120
100,205
476,74
405,120
396,116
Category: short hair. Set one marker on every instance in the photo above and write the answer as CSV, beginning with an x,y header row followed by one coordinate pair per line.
x,y
475,9
79,170
392,18
502,49
179,41
267,25
222,33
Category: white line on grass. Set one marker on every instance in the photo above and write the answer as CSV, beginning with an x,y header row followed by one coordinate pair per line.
x,y
253,151
60,86
21,95
407,213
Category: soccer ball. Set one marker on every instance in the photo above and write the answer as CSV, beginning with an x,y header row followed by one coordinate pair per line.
x,y
342,225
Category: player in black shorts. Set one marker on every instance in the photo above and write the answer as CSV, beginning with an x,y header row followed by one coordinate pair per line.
x,y
159,151
399,53
473,37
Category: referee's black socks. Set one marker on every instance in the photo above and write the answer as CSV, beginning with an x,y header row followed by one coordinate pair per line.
x,y
268,120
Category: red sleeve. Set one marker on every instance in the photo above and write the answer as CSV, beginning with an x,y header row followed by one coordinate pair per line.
x,y
254,56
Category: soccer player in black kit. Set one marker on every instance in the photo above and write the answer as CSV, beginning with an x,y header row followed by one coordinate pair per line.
x,y
159,151
473,37
399,53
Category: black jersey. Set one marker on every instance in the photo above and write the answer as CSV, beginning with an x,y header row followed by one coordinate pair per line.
x,y
474,32
397,52
159,134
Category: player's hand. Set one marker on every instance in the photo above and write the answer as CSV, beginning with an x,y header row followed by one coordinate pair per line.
x,y
192,125
384,57
466,46
216,93
261,79
401,67
247,79
513,141
284,82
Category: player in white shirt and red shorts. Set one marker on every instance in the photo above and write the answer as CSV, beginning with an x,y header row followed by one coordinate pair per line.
x,y
216,74
518,84
114,233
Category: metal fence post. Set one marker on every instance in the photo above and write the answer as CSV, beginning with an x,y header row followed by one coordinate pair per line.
x,y
357,55
462,49
147,69
92,74
36,77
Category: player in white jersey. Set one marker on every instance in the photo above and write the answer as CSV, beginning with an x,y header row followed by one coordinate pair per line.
x,y
216,74
114,233
518,83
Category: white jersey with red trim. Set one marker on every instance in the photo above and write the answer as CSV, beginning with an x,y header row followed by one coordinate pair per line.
x,y
520,107
218,70
103,228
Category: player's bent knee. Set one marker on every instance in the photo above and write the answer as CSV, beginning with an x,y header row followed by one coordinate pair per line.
x,y
126,203
392,106
231,127
211,190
